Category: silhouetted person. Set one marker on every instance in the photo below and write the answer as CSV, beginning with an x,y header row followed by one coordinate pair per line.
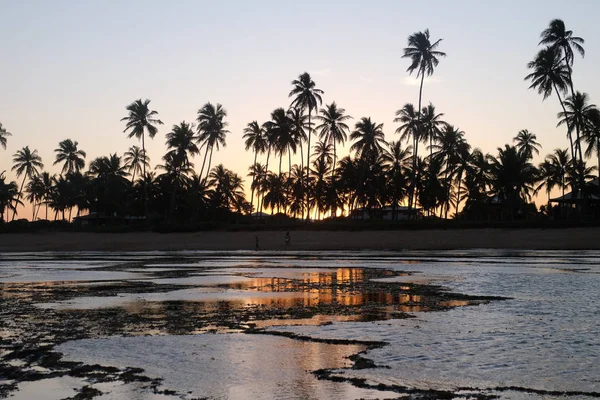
x,y
288,239
256,245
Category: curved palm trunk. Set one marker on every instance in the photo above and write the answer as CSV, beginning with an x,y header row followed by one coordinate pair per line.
x,y
416,146
458,193
210,160
569,128
577,122
334,208
204,161
262,201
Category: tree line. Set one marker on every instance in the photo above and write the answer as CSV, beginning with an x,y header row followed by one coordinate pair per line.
x,y
449,179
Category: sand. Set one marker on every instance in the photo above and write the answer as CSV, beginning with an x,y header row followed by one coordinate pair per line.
x,y
551,239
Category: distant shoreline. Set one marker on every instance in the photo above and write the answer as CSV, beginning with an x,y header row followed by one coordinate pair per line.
x,y
434,239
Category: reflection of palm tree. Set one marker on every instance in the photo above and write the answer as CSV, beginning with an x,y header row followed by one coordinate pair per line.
x,y
3,135
136,161
68,153
550,74
26,163
527,143
211,130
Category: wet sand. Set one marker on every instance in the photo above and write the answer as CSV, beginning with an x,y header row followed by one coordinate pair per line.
x,y
533,239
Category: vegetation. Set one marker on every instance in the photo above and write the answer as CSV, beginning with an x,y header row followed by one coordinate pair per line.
x,y
450,180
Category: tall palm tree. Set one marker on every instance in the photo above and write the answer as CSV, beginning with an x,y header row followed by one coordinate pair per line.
x,y
181,143
558,37
141,120
397,160
324,151
256,138
68,153
299,127
136,161
211,130
26,163
526,143
306,96
410,117
548,177
228,188
550,74
3,135
333,129
576,114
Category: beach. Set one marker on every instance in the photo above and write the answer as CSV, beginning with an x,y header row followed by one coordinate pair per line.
x,y
538,239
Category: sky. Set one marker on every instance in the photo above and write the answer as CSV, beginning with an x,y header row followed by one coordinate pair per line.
x,y
68,68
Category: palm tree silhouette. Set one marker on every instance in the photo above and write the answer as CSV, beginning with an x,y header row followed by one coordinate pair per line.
x,y
333,129
424,58
527,143
306,96
26,163
431,122
3,135
561,39
73,158
576,114
211,130
299,126
136,161
397,160
591,134
256,139
280,133
9,197
369,139
142,120
550,74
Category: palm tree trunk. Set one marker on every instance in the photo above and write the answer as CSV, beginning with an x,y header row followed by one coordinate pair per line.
x,y
308,165
212,148
145,183
280,158
252,186
262,201
289,161
569,129
46,210
18,197
334,208
458,193
577,122
204,162
416,144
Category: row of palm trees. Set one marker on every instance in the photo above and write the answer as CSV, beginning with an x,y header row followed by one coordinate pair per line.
x,y
374,174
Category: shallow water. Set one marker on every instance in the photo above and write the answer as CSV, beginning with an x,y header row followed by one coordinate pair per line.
x,y
545,339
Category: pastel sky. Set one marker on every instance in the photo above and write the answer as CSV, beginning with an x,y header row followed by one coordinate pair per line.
x,y
68,68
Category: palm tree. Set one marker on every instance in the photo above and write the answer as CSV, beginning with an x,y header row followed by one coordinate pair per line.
x,y
526,143
431,122
280,133
369,139
35,194
46,186
141,120
576,114
548,177
513,177
299,126
397,160
591,134
136,161
3,135
73,158
211,130
9,197
550,74
180,142
306,96
256,138
323,151
26,163
561,164
409,117
228,188
333,129
561,39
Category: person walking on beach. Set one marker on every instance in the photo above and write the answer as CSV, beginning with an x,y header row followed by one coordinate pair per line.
x,y
288,239
256,245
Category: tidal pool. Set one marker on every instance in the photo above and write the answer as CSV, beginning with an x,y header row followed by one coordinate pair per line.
x,y
423,325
